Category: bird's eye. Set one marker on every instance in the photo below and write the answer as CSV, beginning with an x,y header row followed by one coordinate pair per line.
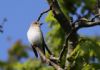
x,y
35,23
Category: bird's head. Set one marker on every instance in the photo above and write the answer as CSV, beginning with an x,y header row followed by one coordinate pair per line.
x,y
35,24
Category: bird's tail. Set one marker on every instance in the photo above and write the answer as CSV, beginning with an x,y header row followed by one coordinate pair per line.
x,y
46,47
43,49
35,51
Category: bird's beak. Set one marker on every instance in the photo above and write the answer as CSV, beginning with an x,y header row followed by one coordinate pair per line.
x,y
41,24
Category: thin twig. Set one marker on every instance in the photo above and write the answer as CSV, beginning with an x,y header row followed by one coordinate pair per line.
x,y
65,45
44,13
84,22
87,24
96,16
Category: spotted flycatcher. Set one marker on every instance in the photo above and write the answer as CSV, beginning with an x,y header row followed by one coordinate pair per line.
x,y
36,39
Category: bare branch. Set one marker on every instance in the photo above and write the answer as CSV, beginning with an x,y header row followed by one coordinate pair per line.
x,y
96,16
44,12
65,45
85,23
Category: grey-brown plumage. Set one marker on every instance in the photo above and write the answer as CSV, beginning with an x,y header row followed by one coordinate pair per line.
x,y
35,38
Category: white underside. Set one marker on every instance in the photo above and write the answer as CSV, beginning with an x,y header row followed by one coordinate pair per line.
x,y
34,36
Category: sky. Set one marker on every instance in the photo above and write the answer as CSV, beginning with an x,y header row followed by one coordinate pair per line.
x,y
20,14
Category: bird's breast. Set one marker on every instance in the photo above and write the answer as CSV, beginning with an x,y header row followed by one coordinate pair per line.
x,y
34,36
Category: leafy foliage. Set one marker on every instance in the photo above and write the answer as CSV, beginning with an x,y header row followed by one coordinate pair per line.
x,y
18,51
86,54
53,35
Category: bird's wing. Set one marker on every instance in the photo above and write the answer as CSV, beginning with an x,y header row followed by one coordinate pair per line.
x,y
43,48
46,47
35,51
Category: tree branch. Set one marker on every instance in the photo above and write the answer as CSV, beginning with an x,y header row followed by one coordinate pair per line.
x,y
85,23
48,61
71,39
98,6
58,14
44,13
66,26
96,16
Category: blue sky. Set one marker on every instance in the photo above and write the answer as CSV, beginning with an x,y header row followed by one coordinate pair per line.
x,y
20,14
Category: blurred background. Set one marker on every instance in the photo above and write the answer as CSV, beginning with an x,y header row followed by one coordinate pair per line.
x,y
19,14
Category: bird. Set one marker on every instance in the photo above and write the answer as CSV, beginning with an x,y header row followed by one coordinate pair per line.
x,y
35,37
